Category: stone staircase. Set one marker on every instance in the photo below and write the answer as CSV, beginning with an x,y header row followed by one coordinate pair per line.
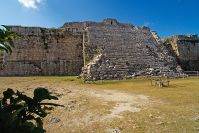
x,y
126,52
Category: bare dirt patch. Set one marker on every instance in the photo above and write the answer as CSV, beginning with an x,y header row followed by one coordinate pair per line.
x,y
87,109
123,102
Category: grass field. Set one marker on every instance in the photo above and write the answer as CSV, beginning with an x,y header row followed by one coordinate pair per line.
x,y
93,107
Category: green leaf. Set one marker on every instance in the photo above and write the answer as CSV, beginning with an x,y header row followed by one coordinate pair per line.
x,y
6,39
5,27
8,47
17,115
1,105
38,130
39,122
26,127
7,95
16,112
16,100
11,107
51,104
42,94
3,48
41,113
30,117
10,41
25,98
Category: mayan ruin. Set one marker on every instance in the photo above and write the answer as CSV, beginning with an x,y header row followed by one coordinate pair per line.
x,y
99,50
99,66
185,49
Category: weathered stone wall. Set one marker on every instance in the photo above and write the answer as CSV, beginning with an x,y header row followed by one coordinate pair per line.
x,y
42,51
117,50
107,50
186,49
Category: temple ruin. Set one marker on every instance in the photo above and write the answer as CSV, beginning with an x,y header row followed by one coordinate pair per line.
x,y
186,50
99,50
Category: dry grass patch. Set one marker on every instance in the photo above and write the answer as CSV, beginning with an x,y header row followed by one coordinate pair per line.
x,y
174,109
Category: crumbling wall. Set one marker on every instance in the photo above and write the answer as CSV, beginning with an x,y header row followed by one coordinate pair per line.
x,y
186,49
107,50
117,50
42,51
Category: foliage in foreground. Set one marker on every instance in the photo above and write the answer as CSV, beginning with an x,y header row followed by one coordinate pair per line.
x,y
22,114
6,39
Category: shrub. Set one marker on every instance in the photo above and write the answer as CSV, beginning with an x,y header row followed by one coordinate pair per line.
x,y
22,114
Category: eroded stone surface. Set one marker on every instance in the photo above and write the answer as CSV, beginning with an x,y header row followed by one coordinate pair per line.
x,y
42,51
186,49
106,50
122,50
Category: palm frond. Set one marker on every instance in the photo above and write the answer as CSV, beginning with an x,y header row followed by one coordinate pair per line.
x,y
6,39
3,48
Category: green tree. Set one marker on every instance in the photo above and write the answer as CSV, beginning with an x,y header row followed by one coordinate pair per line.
x,y
6,39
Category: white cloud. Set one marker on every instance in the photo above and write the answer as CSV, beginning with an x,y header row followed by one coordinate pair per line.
x,y
30,3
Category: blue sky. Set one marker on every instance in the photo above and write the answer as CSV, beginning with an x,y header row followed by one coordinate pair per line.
x,y
167,17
